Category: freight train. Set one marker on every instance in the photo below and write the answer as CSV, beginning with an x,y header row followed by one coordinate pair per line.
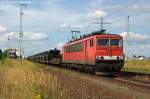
x,y
48,57
95,52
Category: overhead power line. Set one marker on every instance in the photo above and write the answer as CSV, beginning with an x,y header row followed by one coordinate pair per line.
x,y
124,7
16,2
101,23
115,12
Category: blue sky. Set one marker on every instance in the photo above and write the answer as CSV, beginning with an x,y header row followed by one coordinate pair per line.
x,y
47,23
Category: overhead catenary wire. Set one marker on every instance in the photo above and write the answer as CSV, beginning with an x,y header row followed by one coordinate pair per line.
x,y
118,20
115,12
118,10
29,2
122,18
124,7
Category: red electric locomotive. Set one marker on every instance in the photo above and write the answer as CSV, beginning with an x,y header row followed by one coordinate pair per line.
x,y
96,52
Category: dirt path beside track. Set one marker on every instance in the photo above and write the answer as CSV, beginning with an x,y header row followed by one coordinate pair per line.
x,y
76,85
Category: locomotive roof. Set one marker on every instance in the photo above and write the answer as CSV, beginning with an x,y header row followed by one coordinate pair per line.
x,y
96,33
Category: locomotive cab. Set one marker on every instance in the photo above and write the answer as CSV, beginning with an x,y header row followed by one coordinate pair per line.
x,y
109,52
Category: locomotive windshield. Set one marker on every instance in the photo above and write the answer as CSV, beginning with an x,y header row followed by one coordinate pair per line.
x,y
103,42
115,42
109,42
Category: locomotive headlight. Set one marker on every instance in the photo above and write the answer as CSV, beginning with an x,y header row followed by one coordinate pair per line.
x,y
99,57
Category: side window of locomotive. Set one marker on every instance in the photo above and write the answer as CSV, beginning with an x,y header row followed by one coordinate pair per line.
x,y
67,48
115,42
74,48
77,47
91,43
103,42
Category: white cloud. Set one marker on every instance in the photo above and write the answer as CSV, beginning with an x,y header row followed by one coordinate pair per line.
x,y
27,36
63,25
49,15
135,36
4,37
96,14
60,45
2,28
99,13
35,36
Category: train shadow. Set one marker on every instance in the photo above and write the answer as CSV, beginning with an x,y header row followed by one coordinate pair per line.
x,y
126,74
109,75
130,74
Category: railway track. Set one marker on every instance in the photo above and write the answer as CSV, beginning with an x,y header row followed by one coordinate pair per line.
x,y
132,79
140,81
122,78
133,82
128,86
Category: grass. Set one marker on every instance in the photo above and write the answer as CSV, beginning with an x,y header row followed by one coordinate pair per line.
x,y
137,66
20,79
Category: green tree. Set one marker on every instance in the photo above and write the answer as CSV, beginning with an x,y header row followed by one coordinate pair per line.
x,y
1,54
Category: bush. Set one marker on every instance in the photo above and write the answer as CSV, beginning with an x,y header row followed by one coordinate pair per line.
x,y
1,54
